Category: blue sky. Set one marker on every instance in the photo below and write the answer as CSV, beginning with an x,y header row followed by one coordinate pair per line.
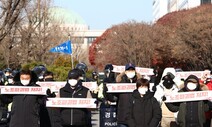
x,y
102,14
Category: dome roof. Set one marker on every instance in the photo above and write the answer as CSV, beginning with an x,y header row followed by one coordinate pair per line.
x,y
66,16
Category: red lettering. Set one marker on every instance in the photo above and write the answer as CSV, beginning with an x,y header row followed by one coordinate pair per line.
x,y
16,90
84,102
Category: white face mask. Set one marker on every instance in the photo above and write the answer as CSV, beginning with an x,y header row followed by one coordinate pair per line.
x,y
72,82
25,82
142,90
7,74
130,74
10,81
191,86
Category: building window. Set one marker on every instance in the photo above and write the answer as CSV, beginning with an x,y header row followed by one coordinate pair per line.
x,y
205,1
91,39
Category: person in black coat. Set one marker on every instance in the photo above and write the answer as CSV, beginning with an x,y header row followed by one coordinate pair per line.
x,y
128,76
25,108
75,117
145,110
49,116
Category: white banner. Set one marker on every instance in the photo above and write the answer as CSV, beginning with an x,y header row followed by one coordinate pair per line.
x,y
23,90
118,69
55,86
71,102
140,70
144,71
189,96
185,74
121,87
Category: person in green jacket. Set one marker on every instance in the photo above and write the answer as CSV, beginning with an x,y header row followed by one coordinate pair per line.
x,y
191,113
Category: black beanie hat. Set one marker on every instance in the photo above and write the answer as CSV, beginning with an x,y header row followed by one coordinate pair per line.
x,y
74,74
109,67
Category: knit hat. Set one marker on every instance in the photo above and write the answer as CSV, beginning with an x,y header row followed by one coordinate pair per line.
x,y
74,74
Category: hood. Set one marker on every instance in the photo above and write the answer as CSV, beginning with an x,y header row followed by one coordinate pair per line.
x,y
34,77
148,94
192,78
168,69
119,77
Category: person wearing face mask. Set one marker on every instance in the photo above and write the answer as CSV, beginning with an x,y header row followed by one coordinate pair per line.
x,y
25,108
128,76
7,73
206,80
75,117
144,110
50,116
190,113
106,99
166,87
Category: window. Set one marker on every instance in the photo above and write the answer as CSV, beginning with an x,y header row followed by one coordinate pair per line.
x,y
205,1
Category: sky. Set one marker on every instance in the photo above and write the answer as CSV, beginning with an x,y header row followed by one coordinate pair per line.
x,y
103,14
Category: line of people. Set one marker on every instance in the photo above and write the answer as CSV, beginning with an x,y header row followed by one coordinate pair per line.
x,y
144,107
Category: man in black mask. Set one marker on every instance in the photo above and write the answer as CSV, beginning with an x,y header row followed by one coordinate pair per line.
x,y
166,86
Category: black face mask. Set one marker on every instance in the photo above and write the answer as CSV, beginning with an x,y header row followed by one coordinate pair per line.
x,y
168,84
49,79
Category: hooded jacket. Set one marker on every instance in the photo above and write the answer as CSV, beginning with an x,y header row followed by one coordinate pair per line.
x,y
25,108
123,98
184,109
75,116
144,111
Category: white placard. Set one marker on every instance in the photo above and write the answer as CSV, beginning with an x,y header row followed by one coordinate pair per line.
x,y
140,70
55,86
121,87
71,102
23,90
189,96
185,74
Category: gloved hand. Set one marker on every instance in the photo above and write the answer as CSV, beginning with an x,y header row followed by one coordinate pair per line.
x,y
163,98
171,75
50,94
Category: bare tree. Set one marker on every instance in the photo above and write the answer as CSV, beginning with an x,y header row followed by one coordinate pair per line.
x,y
189,37
9,13
124,43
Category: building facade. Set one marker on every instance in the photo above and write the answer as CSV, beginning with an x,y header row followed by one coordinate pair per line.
x,y
162,7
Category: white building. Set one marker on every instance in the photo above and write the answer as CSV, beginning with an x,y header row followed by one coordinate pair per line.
x,y
162,7
79,32
75,25
159,9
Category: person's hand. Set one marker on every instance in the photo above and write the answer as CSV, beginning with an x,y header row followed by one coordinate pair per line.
x,y
50,94
163,98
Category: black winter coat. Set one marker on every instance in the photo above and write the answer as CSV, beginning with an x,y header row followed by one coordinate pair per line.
x,y
74,116
25,109
124,98
144,111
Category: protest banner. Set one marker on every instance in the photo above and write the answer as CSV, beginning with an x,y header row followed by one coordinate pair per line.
x,y
55,86
23,90
118,69
140,70
121,87
189,96
71,102
185,74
